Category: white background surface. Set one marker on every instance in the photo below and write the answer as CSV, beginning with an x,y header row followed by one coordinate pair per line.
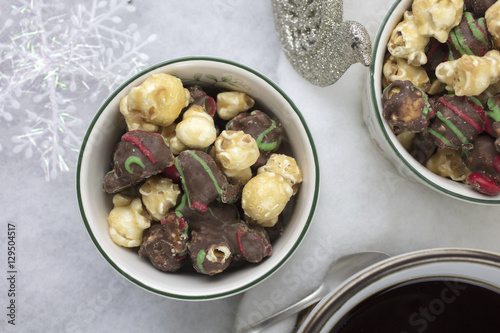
x,y
62,282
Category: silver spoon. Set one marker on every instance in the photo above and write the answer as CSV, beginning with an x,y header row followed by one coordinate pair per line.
x,y
338,272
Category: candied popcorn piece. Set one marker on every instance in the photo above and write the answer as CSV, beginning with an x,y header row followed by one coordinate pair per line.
x,y
264,197
230,103
447,162
127,221
238,176
398,69
159,195
133,119
406,140
470,75
436,18
176,146
236,152
492,17
286,167
197,129
406,42
158,100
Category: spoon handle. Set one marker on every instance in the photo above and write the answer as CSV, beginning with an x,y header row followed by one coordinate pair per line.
x,y
315,297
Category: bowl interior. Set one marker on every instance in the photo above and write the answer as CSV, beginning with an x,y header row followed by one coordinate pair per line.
x,y
106,129
444,185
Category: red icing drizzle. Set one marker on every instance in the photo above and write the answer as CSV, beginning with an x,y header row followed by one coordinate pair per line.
x,y
480,111
199,206
182,223
136,141
240,233
477,126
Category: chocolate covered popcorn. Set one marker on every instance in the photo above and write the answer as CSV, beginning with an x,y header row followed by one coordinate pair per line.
x,y
165,244
138,156
444,104
198,181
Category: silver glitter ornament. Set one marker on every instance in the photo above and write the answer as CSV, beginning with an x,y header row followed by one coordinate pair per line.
x,y
316,41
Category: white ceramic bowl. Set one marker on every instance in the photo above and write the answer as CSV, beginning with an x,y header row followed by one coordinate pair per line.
x,y
380,131
107,127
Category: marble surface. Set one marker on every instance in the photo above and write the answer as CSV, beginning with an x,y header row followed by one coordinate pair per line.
x,y
58,62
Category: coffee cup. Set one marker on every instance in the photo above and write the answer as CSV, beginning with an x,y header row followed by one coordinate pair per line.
x,y
435,290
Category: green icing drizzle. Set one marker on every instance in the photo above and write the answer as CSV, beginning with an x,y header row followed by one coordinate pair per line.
x,y
427,107
133,160
494,109
207,169
453,128
165,140
441,138
475,101
458,39
267,146
181,206
200,258
459,42
475,30
181,173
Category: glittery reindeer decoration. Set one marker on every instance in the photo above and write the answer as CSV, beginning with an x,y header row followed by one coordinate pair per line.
x,y
316,41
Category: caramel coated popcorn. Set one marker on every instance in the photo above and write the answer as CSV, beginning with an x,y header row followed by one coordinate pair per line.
x,y
176,146
470,75
406,42
398,69
231,103
127,220
264,197
286,167
236,152
448,163
197,129
159,195
492,17
159,99
436,18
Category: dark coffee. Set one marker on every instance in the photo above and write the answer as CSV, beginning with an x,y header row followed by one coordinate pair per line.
x,y
433,305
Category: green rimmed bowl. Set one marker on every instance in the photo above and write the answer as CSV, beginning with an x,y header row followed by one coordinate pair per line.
x,y
382,134
107,127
